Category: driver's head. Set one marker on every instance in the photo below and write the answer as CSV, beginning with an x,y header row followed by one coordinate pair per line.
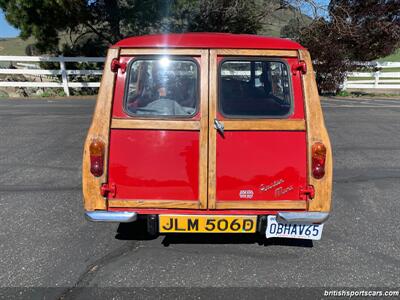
x,y
162,91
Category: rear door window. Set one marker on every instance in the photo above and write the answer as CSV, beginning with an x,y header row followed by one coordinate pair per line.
x,y
162,86
254,88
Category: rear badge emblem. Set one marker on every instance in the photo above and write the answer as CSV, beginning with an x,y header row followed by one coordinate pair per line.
x,y
282,191
246,194
267,187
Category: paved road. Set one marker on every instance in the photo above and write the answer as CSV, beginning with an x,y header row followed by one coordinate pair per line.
x,y
46,242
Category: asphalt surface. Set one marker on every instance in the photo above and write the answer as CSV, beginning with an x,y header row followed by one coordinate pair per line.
x,y
46,242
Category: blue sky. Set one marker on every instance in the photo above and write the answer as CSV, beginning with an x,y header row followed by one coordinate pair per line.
x,y
6,30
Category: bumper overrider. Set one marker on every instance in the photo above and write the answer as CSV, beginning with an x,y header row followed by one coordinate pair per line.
x,y
283,217
111,216
302,217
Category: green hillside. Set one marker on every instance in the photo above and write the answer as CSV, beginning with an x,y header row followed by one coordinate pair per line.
x,y
280,18
13,46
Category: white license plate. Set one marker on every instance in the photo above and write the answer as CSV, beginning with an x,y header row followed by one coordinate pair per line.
x,y
294,231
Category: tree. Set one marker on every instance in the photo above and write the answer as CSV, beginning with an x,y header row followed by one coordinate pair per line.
x,y
87,25
353,30
234,16
369,29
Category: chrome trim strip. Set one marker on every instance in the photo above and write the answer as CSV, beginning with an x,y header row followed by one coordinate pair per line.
x,y
302,217
111,216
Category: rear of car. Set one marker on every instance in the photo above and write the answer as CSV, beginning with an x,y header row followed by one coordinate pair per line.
x,y
210,133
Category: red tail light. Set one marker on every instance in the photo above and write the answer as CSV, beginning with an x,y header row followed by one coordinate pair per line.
x,y
318,157
96,150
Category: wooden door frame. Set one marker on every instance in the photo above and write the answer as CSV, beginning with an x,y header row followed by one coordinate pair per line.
x,y
99,129
243,124
165,124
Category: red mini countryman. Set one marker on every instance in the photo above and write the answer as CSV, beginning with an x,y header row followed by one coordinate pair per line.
x,y
209,133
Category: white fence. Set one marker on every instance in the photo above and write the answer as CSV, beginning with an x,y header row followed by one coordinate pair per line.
x,y
59,78
382,79
63,82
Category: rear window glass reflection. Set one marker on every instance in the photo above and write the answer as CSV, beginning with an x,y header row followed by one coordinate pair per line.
x,y
162,87
250,88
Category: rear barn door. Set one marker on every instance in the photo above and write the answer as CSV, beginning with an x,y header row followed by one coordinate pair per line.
x,y
159,130
257,135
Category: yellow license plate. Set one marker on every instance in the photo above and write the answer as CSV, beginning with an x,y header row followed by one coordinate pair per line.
x,y
207,224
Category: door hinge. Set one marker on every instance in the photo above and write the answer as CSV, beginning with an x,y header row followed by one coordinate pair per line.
x,y
115,65
108,190
299,66
307,192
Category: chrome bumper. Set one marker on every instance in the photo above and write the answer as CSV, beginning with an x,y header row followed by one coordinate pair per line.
x,y
302,217
111,216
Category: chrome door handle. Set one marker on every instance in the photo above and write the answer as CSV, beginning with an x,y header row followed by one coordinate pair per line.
x,y
219,126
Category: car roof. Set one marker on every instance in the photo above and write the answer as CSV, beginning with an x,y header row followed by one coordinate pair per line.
x,y
208,40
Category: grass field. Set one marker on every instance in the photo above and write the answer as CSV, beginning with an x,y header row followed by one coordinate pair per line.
x,y
394,57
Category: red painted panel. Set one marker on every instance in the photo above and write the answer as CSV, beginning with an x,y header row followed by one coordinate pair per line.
x,y
208,40
154,164
260,165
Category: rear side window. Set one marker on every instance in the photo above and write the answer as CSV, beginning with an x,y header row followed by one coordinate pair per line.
x,y
162,87
254,88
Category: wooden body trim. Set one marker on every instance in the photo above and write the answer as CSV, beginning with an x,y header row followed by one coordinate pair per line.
x,y
212,135
154,124
100,128
158,51
288,125
203,154
272,204
316,132
281,204
255,52
154,203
